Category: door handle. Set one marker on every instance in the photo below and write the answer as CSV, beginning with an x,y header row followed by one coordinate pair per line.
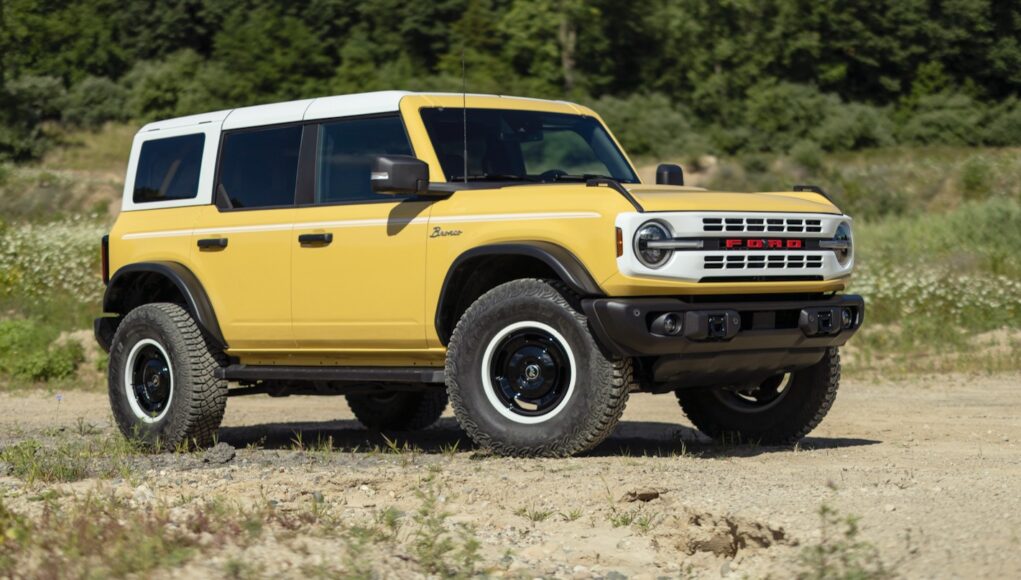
x,y
315,239
212,243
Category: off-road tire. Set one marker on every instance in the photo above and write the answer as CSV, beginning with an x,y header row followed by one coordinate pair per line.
x,y
812,392
198,399
400,411
589,412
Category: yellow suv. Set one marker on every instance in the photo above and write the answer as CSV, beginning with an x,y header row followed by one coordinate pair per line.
x,y
502,254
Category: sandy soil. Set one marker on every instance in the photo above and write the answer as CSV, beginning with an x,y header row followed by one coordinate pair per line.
x,y
931,465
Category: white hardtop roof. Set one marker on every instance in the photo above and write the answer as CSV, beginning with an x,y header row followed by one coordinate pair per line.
x,y
307,109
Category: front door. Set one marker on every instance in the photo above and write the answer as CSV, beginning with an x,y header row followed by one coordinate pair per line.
x,y
358,258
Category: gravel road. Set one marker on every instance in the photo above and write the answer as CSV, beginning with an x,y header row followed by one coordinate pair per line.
x,y
932,466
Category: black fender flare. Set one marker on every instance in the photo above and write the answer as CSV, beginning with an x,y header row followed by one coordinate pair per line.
x,y
562,261
195,297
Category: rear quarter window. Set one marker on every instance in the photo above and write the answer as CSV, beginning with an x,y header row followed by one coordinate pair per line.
x,y
168,169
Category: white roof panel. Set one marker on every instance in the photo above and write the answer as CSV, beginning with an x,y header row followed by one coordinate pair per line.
x,y
359,104
260,115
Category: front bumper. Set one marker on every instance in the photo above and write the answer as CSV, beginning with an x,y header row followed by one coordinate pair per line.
x,y
694,344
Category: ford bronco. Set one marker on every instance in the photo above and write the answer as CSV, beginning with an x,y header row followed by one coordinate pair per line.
x,y
501,254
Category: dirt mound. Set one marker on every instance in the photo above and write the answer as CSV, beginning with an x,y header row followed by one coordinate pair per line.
x,y
692,531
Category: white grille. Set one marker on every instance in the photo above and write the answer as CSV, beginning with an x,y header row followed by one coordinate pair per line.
x,y
762,261
761,224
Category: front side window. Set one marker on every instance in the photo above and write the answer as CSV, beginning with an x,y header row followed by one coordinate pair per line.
x,y
259,168
168,169
508,145
346,151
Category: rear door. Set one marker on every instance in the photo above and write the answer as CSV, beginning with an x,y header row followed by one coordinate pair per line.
x,y
358,258
241,246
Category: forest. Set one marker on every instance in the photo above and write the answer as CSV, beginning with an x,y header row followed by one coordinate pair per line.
x,y
670,76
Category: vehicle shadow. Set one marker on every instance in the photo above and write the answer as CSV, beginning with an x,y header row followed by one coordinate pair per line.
x,y
629,439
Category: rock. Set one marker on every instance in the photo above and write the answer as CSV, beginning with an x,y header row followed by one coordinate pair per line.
x,y
143,496
219,454
642,495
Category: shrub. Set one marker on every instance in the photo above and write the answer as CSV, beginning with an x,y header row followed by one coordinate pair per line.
x,y
60,257
1003,124
854,126
976,177
94,101
808,155
25,103
943,119
55,363
649,124
781,114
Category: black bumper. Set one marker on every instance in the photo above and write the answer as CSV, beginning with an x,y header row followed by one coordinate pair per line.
x,y
104,328
725,342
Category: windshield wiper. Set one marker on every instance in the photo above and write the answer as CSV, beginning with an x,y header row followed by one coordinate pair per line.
x,y
585,177
493,177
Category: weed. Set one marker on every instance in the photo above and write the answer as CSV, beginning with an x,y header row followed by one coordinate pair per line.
x,y
534,514
32,462
436,549
573,515
840,552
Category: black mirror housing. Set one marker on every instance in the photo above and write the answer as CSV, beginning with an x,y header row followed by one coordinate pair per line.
x,y
669,174
399,175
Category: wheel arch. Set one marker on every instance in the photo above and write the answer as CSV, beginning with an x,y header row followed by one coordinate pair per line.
x,y
146,282
480,269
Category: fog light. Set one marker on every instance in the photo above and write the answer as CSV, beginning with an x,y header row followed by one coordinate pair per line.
x,y
846,317
671,324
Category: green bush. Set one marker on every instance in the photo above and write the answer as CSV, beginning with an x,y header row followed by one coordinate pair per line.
x,y
943,119
25,352
54,363
781,114
94,101
853,126
808,155
25,103
1003,124
649,124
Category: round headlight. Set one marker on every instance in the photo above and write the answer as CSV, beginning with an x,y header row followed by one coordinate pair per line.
x,y
843,234
652,232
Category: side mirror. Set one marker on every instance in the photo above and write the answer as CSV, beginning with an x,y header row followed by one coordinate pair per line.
x,y
399,175
669,174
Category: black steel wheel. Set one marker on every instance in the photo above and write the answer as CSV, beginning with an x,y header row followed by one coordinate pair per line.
x,y
526,378
163,390
779,411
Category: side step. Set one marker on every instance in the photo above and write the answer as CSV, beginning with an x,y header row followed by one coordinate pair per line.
x,y
340,374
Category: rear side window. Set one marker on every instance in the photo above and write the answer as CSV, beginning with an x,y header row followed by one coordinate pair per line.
x,y
346,151
168,169
259,168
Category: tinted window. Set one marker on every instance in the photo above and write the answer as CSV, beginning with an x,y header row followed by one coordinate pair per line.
x,y
168,169
346,150
259,168
508,145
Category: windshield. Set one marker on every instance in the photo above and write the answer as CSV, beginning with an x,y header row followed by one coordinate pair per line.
x,y
507,145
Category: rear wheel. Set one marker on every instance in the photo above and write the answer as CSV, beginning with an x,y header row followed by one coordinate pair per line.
x,y
779,411
162,389
398,411
525,376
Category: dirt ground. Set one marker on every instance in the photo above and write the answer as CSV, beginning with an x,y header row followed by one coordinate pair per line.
x,y
932,466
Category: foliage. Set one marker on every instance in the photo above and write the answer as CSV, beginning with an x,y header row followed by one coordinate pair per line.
x,y
763,75
94,101
841,553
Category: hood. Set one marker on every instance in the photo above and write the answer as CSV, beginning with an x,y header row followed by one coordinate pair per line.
x,y
674,198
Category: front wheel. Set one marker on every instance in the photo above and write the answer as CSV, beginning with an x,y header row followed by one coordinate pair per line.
x,y
526,378
779,411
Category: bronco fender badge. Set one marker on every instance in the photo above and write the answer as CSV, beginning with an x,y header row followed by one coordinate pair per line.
x,y
441,233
